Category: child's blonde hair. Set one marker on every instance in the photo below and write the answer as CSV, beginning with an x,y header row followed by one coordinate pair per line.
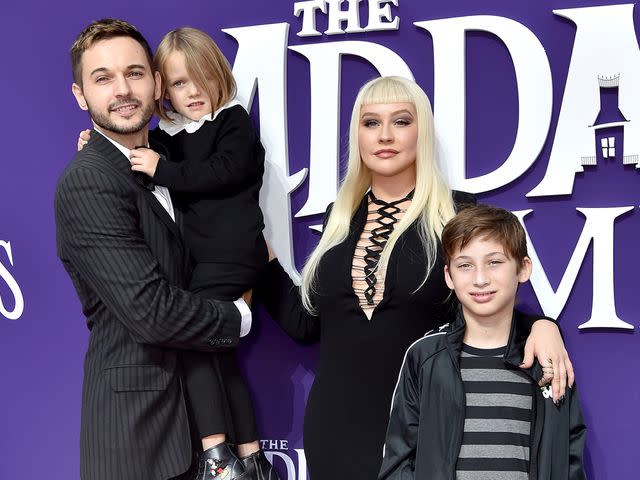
x,y
204,61
432,205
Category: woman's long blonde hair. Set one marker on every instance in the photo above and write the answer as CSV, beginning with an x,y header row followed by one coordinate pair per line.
x,y
432,203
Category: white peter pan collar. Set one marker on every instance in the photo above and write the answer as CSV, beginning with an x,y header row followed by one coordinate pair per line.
x,y
179,123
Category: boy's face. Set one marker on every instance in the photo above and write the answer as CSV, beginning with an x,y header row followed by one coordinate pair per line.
x,y
485,279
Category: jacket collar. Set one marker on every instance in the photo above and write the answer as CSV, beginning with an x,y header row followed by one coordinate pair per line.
x,y
115,158
520,329
177,122
117,161
455,337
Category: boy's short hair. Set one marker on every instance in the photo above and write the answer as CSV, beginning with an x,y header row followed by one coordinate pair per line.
x,y
103,30
484,221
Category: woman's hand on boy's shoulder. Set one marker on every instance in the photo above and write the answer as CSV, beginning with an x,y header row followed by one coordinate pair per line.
x,y
545,343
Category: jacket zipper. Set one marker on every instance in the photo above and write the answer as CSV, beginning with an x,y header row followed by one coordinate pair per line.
x,y
460,431
539,424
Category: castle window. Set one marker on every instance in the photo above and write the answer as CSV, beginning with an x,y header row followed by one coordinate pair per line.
x,y
608,147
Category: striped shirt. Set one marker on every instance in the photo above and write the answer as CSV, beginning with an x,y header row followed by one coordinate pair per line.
x,y
497,427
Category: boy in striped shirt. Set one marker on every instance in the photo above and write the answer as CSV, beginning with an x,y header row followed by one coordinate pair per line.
x,y
463,409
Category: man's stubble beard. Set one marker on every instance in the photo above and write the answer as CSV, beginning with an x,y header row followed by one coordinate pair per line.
x,y
103,121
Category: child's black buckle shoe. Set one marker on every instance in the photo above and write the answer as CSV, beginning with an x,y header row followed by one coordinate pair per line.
x,y
220,463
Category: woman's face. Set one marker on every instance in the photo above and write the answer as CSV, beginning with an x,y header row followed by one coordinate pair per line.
x,y
388,137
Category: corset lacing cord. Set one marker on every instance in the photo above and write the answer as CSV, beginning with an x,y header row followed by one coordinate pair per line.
x,y
378,237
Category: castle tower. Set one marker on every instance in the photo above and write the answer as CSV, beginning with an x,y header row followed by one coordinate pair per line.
x,y
609,125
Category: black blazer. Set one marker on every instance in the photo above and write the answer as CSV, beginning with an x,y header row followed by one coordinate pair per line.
x,y
128,263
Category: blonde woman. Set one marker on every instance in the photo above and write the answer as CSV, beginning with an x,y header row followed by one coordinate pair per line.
x,y
375,284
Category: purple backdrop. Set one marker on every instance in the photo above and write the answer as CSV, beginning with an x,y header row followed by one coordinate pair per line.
x,y
41,352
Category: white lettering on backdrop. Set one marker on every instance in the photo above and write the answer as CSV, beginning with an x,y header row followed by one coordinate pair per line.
x,y
261,62
533,76
605,44
380,17
18,307
324,62
598,227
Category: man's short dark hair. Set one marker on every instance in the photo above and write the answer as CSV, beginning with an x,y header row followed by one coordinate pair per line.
x,y
484,221
102,30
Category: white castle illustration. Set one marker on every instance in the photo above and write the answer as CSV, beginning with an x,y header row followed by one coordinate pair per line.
x,y
608,137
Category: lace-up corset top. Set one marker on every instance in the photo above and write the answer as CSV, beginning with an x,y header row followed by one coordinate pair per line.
x,y
367,277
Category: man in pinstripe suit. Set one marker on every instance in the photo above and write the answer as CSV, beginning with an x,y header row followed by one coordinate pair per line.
x,y
118,241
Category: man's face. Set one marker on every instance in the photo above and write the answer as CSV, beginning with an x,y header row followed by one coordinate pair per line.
x,y
118,85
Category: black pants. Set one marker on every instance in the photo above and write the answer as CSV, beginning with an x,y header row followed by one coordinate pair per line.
x,y
218,396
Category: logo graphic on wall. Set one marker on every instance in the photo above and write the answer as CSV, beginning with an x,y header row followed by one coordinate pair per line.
x,y
6,309
291,463
609,126
595,124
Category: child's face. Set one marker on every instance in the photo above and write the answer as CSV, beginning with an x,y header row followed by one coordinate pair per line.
x,y
187,98
485,279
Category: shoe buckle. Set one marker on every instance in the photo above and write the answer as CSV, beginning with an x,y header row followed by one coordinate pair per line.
x,y
217,469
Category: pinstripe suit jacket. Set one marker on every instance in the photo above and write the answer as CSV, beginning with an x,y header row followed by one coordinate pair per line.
x,y
128,263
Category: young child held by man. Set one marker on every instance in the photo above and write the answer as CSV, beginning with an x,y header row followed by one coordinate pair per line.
x,y
463,408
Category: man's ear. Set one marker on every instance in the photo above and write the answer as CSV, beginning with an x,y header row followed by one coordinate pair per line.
x,y
525,270
447,277
77,92
158,88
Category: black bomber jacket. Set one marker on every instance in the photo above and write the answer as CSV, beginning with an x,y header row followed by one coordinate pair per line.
x,y
428,412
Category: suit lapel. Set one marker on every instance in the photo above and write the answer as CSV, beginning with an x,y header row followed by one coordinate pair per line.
x,y
162,214
179,219
120,164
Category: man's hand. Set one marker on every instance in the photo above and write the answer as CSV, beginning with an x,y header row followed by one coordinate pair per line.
x,y
83,138
144,160
545,343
